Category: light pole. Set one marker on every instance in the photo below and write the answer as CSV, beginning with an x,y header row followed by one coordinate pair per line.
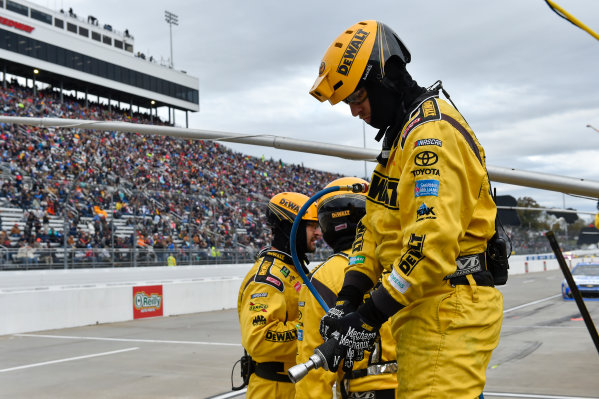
x,y
171,19
152,111
594,128
35,72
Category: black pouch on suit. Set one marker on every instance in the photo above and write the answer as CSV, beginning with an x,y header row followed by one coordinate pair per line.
x,y
499,249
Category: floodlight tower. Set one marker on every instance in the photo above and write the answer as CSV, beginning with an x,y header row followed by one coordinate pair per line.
x,y
171,19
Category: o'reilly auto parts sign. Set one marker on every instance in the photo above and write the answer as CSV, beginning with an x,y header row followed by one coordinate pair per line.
x,y
147,301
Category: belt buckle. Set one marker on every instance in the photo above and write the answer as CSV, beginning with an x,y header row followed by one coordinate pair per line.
x,y
467,264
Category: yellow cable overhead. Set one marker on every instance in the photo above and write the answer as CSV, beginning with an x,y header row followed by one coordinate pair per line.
x,y
569,17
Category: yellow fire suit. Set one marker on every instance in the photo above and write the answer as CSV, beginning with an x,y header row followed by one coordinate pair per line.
x,y
375,373
428,207
268,317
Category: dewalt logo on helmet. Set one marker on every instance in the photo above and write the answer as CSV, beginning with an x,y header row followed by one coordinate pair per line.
x,y
340,214
289,205
285,206
351,51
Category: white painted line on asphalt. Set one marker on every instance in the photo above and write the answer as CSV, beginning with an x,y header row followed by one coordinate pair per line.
x,y
233,394
526,395
66,360
531,303
154,341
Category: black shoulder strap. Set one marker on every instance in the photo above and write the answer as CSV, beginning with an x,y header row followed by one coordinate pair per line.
x,y
457,126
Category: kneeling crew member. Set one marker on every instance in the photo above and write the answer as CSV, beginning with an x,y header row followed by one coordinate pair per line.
x,y
267,302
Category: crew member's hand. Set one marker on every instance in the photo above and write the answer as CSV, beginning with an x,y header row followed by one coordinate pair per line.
x,y
356,335
330,321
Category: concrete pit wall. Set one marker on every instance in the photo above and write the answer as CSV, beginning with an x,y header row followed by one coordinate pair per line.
x,y
56,307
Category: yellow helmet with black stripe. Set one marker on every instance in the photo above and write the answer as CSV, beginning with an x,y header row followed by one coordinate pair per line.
x,y
282,210
285,206
358,54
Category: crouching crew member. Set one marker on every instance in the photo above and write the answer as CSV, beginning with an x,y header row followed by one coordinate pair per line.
x,y
268,299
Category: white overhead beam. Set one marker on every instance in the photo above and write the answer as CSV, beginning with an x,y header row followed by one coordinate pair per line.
x,y
544,181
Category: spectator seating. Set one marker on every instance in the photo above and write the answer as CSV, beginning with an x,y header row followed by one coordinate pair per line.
x,y
168,193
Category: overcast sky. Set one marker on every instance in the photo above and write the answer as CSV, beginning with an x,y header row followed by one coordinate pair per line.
x,y
526,80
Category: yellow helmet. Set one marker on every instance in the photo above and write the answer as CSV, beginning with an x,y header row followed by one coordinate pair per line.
x,y
280,214
285,206
339,213
358,54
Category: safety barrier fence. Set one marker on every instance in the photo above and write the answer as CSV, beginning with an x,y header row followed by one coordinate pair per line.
x,y
77,258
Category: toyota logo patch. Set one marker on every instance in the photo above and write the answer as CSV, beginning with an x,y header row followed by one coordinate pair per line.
x,y
426,158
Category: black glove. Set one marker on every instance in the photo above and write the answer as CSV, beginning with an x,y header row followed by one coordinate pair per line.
x,y
329,322
355,284
357,333
358,330
348,300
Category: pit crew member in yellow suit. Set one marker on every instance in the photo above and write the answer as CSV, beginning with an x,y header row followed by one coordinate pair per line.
x,y
428,218
375,376
268,298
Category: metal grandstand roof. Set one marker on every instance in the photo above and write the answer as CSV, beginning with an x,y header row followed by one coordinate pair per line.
x,y
75,54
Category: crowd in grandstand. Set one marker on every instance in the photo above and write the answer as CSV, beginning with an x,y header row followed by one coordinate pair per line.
x,y
182,192
176,195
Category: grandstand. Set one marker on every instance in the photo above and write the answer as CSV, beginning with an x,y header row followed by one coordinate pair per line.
x,y
113,198
151,193
108,198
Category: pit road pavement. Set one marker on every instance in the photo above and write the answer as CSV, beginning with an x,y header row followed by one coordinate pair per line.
x,y
545,352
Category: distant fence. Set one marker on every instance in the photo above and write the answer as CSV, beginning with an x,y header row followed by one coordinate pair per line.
x,y
76,258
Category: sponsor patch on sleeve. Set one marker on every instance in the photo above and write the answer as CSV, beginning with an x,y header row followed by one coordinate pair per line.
x,y
264,276
425,212
258,307
426,188
426,112
422,142
355,260
398,282
274,281
260,295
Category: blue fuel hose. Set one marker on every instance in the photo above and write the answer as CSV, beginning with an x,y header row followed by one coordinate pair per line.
x,y
356,188
292,236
